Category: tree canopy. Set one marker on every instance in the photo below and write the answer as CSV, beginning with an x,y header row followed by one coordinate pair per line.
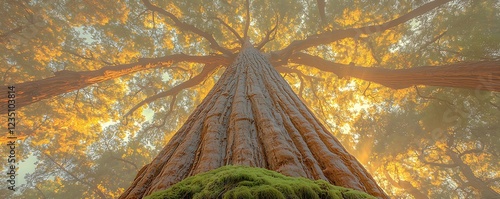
x,y
409,87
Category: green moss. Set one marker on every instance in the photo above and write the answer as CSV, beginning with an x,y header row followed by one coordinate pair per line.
x,y
241,182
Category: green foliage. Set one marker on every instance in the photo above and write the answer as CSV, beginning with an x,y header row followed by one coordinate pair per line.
x,y
232,182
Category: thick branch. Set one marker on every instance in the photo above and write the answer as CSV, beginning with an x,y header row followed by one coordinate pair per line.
x,y
482,75
188,27
465,170
477,183
268,36
335,35
67,81
176,89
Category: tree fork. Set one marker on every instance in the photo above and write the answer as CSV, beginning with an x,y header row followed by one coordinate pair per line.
x,y
252,117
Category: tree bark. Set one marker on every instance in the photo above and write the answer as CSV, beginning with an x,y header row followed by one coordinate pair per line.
x,y
252,117
482,75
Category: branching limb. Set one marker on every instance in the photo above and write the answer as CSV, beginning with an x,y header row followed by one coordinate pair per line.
x,y
63,82
176,89
432,41
405,185
247,21
468,173
443,165
366,89
235,33
147,63
470,151
433,98
90,58
299,73
268,37
335,35
320,63
4,77
321,10
126,161
164,120
372,50
93,187
188,27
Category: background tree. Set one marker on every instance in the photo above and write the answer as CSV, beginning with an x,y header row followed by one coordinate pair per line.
x,y
172,46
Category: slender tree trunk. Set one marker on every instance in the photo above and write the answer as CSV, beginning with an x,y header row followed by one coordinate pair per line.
x,y
252,117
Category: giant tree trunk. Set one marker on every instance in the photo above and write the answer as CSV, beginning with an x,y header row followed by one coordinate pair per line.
x,y
252,117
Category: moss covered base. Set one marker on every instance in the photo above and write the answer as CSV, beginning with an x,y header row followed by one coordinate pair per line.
x,y
240,182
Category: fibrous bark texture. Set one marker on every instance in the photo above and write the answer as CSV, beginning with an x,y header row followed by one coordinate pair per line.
x,y
252,117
